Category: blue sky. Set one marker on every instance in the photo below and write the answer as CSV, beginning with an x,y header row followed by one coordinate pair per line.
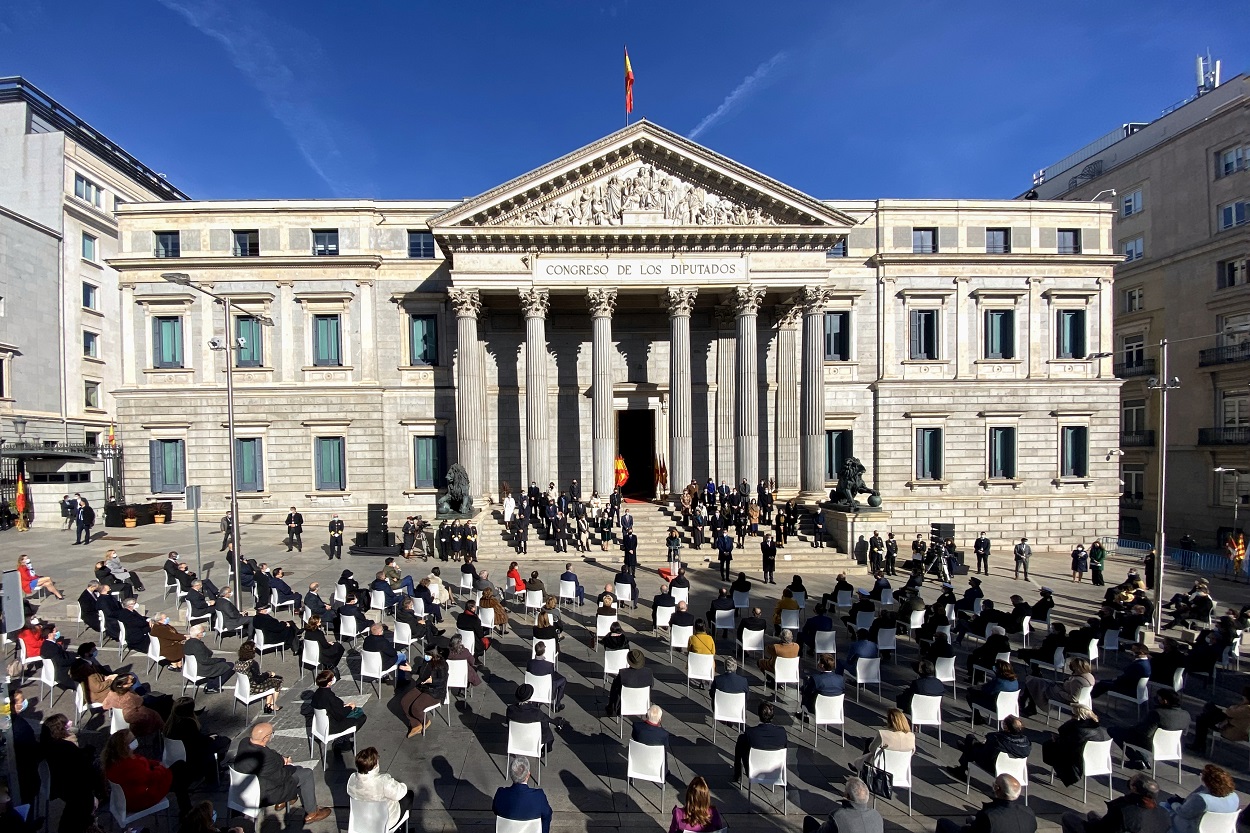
x,y
402,100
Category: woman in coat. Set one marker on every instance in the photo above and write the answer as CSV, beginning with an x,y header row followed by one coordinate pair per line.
x,y
1038,692
330,653
1064,751
1097,560
142,720
430,690
258,680
1216,795
896,736
1080,563
514,573
1002,681
673,544
144,782
456,650
501,612
171,641
342,716
87,672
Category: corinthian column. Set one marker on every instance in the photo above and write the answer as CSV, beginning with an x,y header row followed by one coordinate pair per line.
x,y
812,408
786,429
534,302
602,305
680,443
746,302
470,420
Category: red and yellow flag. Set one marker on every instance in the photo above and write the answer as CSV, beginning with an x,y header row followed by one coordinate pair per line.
x,y
112,435
629,84
622,473
21,493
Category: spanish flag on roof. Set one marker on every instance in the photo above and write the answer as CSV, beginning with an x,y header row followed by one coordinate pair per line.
x,y
629,84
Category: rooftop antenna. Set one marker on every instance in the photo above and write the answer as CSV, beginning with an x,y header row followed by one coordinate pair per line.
x,y
1208,74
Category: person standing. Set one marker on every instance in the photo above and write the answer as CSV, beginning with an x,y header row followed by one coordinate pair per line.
x,y
69,511
1080,563
1022,554
818,528
725,549
876,552
409,533
698,527
629,546
981,547
891,554
225,526
768,552
336,538
294,530
1097,561
86,520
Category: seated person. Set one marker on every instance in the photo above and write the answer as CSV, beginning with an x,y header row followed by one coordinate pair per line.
x,y
369,783
649,732
524,710
342,716
787,648
765,735
280,781
540,666
1136,670
820,622
329,652
926,684
1002,681
634,675
1167,715
987,652
1064,752
825,680
1010,739
861,648
382,642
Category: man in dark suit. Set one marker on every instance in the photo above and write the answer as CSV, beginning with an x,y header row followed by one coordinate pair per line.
x,y
381,585
724,553
350,609
861,648
764,736
754,622
634,675
273,629
170,566
730,682
200,604
663,599
723,601
384,643
294,530
110,606
626,577
316,606
1138,811
540,666
336,537
524,710
88,605
569,575
820,622
1167,715
519,801
682,617
649,732
926,685
280,781
231,616
1005,814
138,633
53,651
629,552
1010,739
824,680
282,591
207,665
264,593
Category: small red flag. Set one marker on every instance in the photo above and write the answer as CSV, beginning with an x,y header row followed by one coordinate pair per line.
x,y
629,84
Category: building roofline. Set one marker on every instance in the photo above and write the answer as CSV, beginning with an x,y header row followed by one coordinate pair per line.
x,y
17,88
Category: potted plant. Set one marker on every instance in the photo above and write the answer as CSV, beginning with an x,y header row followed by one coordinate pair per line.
x,y
158,515
132,517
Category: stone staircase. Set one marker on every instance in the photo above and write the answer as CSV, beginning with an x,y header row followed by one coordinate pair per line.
x,y
651,524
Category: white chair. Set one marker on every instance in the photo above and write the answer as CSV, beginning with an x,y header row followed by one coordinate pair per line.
x,y
74,609
277,605
191,676
926,710
723,620
886,601
372,817
682,594
700,667
1002,656
1165,745
1090,654
219,625
321,734
785,672
827,642
1218,822
790,620
914,622
945,668
742,601
486,615
457,678
1111,642
310,658
171,584
244,795
527,739
663,615
466,583
371,669
80,701
867,670
191,620
349,629
403,637
624,595
551,651
117,721
533,600
568,592
603,624
1084,697
243,694
340,593
377,599
613,662
863,620
513,594
800,599
750,642
1178,683
122,647
47,677
731,708
1141,698
503,825
172,752
262,646
830,711
1004,764
1006,704
898,764
117,807
679,637
1095,761
542,685
1055,666
887,640
1026,628
843,599
650,763
768,767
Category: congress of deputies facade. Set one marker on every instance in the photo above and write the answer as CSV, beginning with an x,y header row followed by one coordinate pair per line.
x,y
643,296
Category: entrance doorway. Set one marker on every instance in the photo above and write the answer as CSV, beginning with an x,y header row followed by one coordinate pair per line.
x,y
635,441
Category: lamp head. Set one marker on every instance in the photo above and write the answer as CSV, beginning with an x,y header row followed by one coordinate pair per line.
x,y
180,278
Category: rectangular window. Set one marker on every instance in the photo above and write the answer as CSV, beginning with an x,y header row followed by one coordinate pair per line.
x,y
326,345
90,344
1235,410
90,296
1074,451
928,453
168,461
421,245
246,243
1134,350
423,340
1002,453
1135,482
838,250
250,340
1134,249
330,464
839,444
1069,241
88,247
92,437
837,336
1232,273
249,466
924,334
91,394
168,244
87,190
1070,343
1231,215
1000,334
998,241
430,462
1131,204
1133,416
167,341
1131,299
924,241
325,242
1230,161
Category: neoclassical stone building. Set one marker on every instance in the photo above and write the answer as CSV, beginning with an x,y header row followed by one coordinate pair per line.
x,y
642,296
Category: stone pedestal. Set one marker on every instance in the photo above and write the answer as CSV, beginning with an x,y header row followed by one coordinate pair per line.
x,y
844,526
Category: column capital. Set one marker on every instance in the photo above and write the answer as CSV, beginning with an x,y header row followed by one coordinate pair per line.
x,y
466,302
788,315
746,300
812,299
680,301
602,302
534,302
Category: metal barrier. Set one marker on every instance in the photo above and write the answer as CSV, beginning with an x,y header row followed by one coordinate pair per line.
x,y
1209,563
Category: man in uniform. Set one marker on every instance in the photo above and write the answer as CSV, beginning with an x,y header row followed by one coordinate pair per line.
x,y
1022,553
336,537
294,530
981,547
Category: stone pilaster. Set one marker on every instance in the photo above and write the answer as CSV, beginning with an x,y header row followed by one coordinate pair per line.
x,y
786,430
470,381
680,447
603,420
812,407
746,301
535,303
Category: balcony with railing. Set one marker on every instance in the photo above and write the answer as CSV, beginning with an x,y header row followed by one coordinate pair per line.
x,y
1137,367
1132,501
1227,354
1224,436
1137,439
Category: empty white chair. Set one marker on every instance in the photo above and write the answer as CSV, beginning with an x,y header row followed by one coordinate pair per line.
x,y
742,601
533,600
613,662
527,739
790,621
1141,698
466,583
750,642
243,694
887,640
723,620
926,710
830,711
785,672
634,703
171,584
310,658
731,708
800,599
1166,745
117,807
1004,764
898,764
768,767
624,595
568,592
372,817
679,637
867,670
682,594
945,668
650,763
843,599
244,795
1006,704
371,669
699,667
320,733
826,642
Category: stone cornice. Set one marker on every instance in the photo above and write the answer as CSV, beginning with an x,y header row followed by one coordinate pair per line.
x,y
984,260
637,239
125,263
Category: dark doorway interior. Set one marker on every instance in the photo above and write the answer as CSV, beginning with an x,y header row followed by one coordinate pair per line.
x,y
635,439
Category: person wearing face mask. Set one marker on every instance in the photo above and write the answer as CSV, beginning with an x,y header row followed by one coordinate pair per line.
x,y
169,637
145,782
77,781
32,581
203,819
143,720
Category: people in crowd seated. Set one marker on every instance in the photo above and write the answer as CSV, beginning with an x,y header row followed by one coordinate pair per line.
x,y
87,672
342,716
765,736
819,622
275,631
142,720
926,684
259,680
280,781
730,681
682,617
32,581
1001,681
1064,751
1167,715
519,801
1010,739
634,675
861,648
541,666
787,648
1136,670
329,652
649,732
525,710
663,599
987,652
895,736
76,780
1233,723
215,669
1038,691
697,814
491,601
457,650
353,610
701,642
786,602
206,751
1005,814
369,783
143,781
1217,794
825,680
754,622
1137,811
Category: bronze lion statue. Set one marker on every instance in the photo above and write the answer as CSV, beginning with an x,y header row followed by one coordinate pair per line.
x,y
851,483
456,500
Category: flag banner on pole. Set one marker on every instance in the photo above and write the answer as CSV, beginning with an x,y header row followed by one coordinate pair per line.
x,y
629,84
622,473
21,493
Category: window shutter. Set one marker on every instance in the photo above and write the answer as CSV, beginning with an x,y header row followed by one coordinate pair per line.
x,y
948,239
1007,335
440,462
976,237
1081,451
1009,452
1078,334
917,335
258,458
156,461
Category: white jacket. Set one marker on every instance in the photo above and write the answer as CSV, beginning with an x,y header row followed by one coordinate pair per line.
x,y
375,786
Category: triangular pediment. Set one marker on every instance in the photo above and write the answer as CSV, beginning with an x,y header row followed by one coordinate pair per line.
x,y
642,177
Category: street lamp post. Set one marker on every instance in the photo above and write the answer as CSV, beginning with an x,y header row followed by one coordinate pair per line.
x,y
230,343
1163,385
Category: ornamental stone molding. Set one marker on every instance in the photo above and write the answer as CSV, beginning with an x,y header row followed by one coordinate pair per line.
x,y
602,302
535,302
466,302
813,298
788,315
680,300
746,300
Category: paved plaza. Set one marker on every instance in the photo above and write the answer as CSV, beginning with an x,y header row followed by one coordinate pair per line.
x,y
455,769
